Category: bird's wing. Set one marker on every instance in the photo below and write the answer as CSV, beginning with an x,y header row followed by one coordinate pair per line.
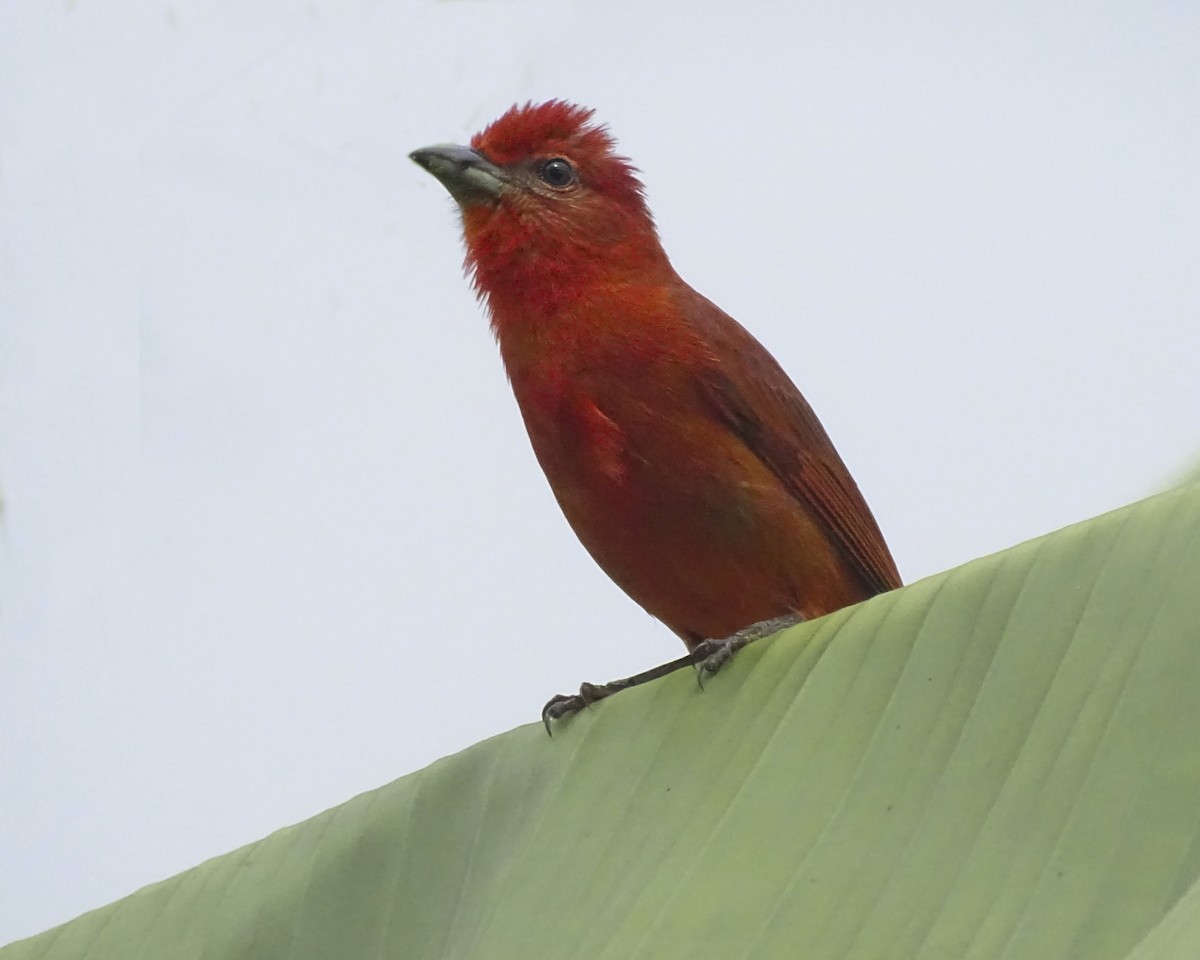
x,y
755,398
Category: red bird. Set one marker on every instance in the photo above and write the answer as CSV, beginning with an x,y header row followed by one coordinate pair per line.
x,y
684,458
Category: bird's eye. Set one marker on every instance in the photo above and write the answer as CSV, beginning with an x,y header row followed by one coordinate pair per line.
x,y
557,173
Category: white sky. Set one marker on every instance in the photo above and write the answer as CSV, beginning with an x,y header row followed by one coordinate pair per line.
x,y
273,533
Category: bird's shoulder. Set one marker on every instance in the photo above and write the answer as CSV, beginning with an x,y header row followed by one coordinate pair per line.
x,y
749,392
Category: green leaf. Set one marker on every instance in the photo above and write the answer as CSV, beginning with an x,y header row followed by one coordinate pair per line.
x,y
1192,475
1002,761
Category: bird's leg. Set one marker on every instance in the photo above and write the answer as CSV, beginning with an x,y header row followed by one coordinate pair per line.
x,y
564,704
709,656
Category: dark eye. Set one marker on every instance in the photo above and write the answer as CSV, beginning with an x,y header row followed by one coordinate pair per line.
x,y
557,173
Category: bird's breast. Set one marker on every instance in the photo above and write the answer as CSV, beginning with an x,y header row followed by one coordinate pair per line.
x,y
577,443
630,457
677,510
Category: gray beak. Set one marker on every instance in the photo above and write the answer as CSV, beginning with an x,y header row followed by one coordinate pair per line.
x,y
469,177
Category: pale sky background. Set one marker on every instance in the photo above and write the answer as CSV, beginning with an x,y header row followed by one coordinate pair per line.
x,y
273,533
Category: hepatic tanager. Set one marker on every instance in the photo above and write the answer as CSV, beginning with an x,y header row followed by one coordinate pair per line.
x,y
684,458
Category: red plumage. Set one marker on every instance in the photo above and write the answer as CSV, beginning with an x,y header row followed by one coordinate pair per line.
x,y
682,455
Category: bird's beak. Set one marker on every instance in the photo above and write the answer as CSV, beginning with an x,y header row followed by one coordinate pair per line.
x,y
470,178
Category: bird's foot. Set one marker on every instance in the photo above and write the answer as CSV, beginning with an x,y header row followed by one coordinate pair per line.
x,y
709,656
568,704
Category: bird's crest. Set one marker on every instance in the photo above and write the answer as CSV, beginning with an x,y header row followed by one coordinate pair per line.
x,y
522,131
556,126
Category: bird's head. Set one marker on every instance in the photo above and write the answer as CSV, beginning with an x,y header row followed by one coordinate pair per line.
x,y
543,195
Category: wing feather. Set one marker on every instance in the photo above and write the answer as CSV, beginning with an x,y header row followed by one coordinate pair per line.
x,y
755,398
